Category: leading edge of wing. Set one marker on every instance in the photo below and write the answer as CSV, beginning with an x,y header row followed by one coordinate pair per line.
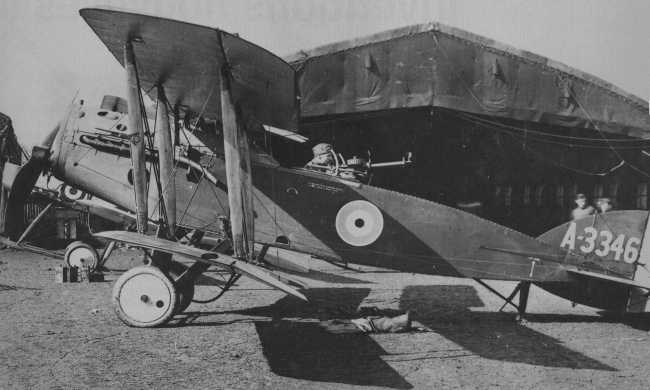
x,y
610,278
250,270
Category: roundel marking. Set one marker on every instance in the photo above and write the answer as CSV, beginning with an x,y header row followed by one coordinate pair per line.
x,y
359,223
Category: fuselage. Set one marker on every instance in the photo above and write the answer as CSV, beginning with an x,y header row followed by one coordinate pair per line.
x,y
313,212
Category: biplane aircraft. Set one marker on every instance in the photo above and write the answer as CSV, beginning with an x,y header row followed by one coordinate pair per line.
x,y
200,165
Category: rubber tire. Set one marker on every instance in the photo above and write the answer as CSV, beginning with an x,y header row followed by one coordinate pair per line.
x,y
80,244
125,277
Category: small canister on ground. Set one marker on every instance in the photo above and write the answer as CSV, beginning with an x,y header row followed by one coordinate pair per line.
x,y
65,274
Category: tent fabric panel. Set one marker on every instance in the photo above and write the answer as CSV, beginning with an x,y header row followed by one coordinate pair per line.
x,y
432,68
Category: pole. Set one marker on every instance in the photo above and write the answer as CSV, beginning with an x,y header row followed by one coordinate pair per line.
x,y
136,138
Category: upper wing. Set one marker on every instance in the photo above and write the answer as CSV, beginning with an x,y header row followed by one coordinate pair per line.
x,y
201,255
186,59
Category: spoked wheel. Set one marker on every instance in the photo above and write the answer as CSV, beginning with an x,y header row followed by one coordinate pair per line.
x,y
79,253
145,297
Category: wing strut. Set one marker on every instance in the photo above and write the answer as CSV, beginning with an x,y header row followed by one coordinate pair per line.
x,y
136,137
238,170
165,148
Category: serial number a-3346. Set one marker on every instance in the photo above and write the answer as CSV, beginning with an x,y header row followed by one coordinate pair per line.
x,y
602,243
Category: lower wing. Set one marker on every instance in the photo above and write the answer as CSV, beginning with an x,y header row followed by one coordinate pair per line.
x,y
252,271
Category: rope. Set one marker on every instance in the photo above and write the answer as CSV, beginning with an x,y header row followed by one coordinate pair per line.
x,y
553,162
639,170
526,131
503,127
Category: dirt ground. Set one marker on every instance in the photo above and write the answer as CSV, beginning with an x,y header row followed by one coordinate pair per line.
x,y
67,336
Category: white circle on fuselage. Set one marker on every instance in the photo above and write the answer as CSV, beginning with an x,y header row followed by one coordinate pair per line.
x,y
359,223
71,193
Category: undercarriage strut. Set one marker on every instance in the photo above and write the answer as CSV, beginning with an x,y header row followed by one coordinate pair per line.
x,y
523,288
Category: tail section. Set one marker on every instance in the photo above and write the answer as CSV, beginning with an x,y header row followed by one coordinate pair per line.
x,y
612,273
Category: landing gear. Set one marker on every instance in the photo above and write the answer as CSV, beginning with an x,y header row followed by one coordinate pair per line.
x,y
145,297
184,286
151,294
524,291
523,288
79,253
185,296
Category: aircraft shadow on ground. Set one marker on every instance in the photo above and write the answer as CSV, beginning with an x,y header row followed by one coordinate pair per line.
x,y
445,310
640,321
305,350
308,350
297,344
324,304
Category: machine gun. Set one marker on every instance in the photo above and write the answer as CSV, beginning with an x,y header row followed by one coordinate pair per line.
x,y
357,168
